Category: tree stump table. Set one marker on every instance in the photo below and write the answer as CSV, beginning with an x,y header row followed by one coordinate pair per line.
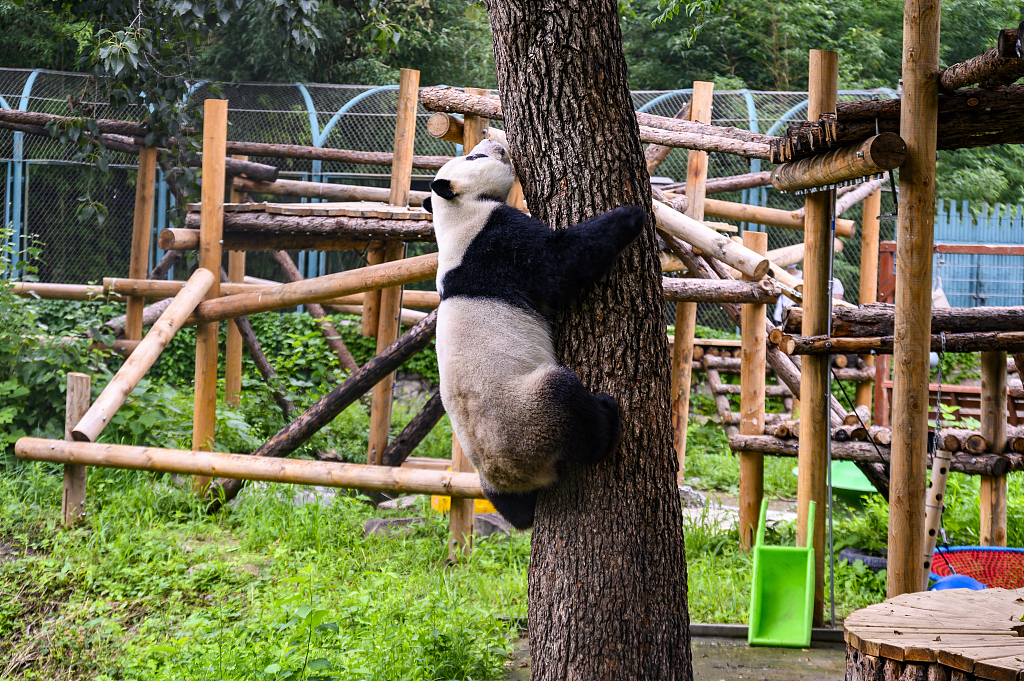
x,y
952,635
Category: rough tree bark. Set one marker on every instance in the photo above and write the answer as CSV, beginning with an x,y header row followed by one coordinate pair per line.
x,y
607,581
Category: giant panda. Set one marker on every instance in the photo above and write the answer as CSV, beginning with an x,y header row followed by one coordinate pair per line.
x,y
501,274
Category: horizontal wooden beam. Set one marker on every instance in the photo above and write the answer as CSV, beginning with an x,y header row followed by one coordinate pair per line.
x,y
319,290
868,452
246,467
963,249
322,190
64,291
354,228
1000,65
763,215
871,157
878,319
720,291
669,132
1010,341
179,239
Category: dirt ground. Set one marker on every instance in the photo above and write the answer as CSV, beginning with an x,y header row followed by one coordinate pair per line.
x,y
726,659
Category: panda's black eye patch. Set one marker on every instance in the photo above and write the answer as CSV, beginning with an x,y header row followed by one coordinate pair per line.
x,y
475,157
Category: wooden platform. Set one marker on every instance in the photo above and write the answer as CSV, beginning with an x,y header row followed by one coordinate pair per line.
x,y
955,634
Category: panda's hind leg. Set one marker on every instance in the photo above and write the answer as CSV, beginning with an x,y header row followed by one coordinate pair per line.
x,y
517,508
592,426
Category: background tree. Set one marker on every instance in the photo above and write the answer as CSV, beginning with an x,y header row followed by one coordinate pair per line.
x,y
607,579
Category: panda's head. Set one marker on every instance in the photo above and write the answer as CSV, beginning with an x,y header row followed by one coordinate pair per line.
x,y
485,173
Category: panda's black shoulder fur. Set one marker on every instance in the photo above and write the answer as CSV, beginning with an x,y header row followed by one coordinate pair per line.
x,y
519,260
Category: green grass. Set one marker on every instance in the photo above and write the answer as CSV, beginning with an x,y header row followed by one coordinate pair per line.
x,y
152,588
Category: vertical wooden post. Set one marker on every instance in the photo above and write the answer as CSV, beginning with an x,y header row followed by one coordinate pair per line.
x,y
142,229
815,413
869,275
915,230
371,299
390,311
460,518
233,349
686,313
211,227
79,396
993,429
752,397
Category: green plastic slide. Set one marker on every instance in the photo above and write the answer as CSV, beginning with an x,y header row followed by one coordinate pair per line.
x,y
782,593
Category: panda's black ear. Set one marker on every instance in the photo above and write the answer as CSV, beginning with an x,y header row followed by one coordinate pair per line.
x,y
427,205
443,188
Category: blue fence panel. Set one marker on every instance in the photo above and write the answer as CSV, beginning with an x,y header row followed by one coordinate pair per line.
x,y
980,280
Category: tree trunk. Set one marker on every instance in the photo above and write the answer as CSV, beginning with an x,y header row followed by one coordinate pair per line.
x,y
607,581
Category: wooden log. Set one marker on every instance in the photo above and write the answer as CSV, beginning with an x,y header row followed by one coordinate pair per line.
x,y
248,467
387,333
327,191
379,158
445,127
418,428
686,312
654,154
752,403
321,289
355,229
670,132
142,225
814,377
880,435
878,319
702,290
734,183
710,242
869,235
177,239
993,428
292,436
854,433
962,440
954,342
233,338
204,417
316,311
145,354
408,317
770,390
871,157
79,394
915,230
1000,65
767,216
861,416
867,452
860,193
62,291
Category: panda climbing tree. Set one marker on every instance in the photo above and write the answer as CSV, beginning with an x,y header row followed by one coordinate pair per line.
x,y
607,582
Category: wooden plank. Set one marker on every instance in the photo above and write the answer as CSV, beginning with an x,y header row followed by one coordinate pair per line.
x,y
686,313
79,395
142,230
963,249
752,403
204,419
1010,668
965,657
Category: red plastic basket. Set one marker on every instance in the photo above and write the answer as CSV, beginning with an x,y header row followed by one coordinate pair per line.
x,y
993,566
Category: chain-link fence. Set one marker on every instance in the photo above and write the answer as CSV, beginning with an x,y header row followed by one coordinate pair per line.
x,y
43,186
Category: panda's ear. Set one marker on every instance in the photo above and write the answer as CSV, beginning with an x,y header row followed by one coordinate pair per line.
x,y
443,188
427,205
